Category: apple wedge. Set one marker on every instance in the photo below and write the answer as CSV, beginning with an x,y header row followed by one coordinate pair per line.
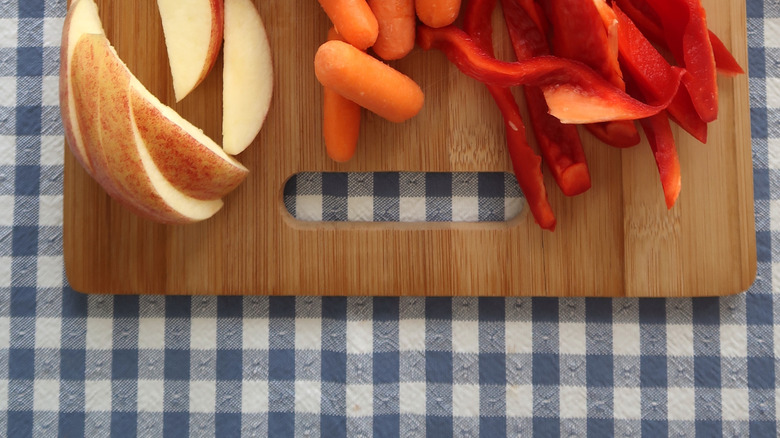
x,y
193,36
82,18
247,82
121,161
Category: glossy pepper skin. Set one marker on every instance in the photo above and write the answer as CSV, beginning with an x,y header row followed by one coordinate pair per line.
x,y
579,33
559,144
526,164
574,92
651,74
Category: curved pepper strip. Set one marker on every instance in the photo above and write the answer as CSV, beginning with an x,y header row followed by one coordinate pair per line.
x,y
652,74
648,22
559,144
574,92
526,164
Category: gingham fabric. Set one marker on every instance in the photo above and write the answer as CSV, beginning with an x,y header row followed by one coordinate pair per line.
x,y
73,365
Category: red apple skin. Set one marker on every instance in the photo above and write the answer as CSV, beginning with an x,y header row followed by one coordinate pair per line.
x,y
217,29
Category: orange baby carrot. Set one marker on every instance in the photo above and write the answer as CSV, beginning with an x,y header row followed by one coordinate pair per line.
x,y
340,120
437,13
353,20
367,81
396,27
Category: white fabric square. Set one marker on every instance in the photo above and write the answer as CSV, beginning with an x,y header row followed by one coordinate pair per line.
x,y
203,396
573,402
3,394
151,333
255,333
776,343
5,271
513,207
520,401
97,395
50,214
46,395
47,332
519,336
6,220
411,334
8,150
465,209
774,205
411,398
465,337
411,209
679,340
49,272
52,150
99,333
308,334
625,339
733,340
681,404
360,208
360,337
203,334
150,396
254,397
308,208
8,32
52,31
307,397
465,400
8,87
50,91
735,404
772,32
360,400
5,333
773,92
572,338
628,403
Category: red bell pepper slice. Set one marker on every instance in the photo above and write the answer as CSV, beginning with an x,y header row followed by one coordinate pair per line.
x,y
574,92
526,164
579,33
559,144
724,60
652,74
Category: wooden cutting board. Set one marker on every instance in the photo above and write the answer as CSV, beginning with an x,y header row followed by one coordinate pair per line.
x,y
618,239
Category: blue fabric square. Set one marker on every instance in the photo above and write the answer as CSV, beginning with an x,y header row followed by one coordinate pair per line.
x,y
761,372
706,311
757,62
492,426
73,364
652,311
281,365
546,427
176,424
227,424
229,364
599,371
25,241
600,427
491,309
492,369
20,423
764,246
386,309
758,129
178,306
438,367
598,310
759,309
126,306
31,8
74,304
386,426
544,309
387,184
334,308
763,428
28,180
21,363
706,371
438,308
334,366
281,424
546,369
333,426
708,428
655,428
29,63
490,184
440,427
438,185
230,307
124,424
23,301
70,424
124,364
334,184
28,120
281,307
386,367
177,364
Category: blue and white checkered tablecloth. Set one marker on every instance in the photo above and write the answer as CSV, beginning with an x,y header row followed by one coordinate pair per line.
x,y
78,365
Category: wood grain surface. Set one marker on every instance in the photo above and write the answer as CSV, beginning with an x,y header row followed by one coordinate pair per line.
x,y
618,239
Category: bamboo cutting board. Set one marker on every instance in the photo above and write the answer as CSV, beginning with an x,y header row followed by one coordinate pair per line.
x,y
618,239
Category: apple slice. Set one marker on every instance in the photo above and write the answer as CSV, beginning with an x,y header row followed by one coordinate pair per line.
x,y
247,76
121,161
82,18
193,35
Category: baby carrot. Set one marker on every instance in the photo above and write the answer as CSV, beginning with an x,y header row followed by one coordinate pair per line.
x,y
437,13
396,27
340,120
353,20
367,81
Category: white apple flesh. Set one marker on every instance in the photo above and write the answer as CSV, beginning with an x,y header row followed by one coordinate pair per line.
x,y
193,35
247,76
